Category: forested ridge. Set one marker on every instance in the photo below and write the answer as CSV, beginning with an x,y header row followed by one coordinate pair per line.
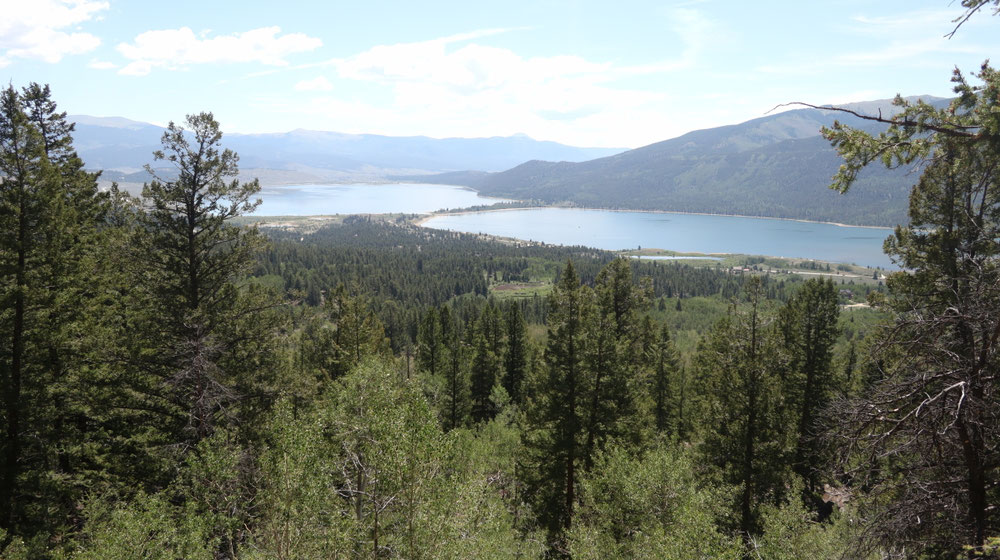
x,y
784,179
175,385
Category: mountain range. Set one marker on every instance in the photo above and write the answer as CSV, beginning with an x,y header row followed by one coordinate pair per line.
x,y
122,147
777,166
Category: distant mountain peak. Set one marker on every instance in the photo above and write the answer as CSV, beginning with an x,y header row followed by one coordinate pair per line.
x,y
872,108
123,144
109,122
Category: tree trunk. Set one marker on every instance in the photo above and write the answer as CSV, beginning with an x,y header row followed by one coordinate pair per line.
x,y
803,454
595,404
746,499
972,452
571,452
750,436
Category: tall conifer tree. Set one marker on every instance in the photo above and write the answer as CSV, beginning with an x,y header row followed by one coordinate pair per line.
x,y
49,209
203,340
664,385
430,348
740,367
809,324
515,360
557,410
457,401
617,406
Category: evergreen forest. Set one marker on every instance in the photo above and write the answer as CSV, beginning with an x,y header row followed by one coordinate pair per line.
x,y
179,381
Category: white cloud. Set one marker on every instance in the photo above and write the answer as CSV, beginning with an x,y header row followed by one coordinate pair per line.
x,y
457,86
694,31
35,29
316,84
460,86
908,50
177,48
101,65
460,79
922,23
137,68
912,52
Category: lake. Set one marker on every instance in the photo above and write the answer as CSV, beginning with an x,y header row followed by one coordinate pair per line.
x,y
687,233
396,198
603,229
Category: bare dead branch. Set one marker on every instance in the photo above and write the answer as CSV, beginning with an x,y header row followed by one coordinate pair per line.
x,y
955,130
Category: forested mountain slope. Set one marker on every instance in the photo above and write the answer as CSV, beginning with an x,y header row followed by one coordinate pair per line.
x,y
775,166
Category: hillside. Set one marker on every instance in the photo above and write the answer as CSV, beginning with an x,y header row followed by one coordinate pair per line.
x,y
776,166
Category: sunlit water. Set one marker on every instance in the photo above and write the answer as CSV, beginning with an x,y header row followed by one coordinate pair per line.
x,y
403,198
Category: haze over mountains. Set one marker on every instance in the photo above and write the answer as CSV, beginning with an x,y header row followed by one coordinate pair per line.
x,y
123,145
777,165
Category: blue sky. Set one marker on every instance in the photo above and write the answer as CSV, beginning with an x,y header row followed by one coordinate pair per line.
x,y
621,74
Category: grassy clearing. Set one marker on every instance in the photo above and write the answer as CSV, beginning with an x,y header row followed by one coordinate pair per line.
x,y
516,290
309,224
761,264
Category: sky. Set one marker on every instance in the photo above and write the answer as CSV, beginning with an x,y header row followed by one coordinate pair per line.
x,y
585,73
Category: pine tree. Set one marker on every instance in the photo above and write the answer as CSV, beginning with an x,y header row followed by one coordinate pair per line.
x,y
25,188
666,369
616,408
557,407
457,403
740,365
809,324
515,359
492,328
359,332
430,344
197,343
319,357
49,214
926,432
338,340
486,367
202,343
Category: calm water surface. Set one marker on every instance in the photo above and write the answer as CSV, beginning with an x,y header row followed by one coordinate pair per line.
x,y
404,198
602,229
610,230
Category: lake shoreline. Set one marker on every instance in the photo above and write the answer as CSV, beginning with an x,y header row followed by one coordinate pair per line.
x,y
463,209
422,220
784,241
427,216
